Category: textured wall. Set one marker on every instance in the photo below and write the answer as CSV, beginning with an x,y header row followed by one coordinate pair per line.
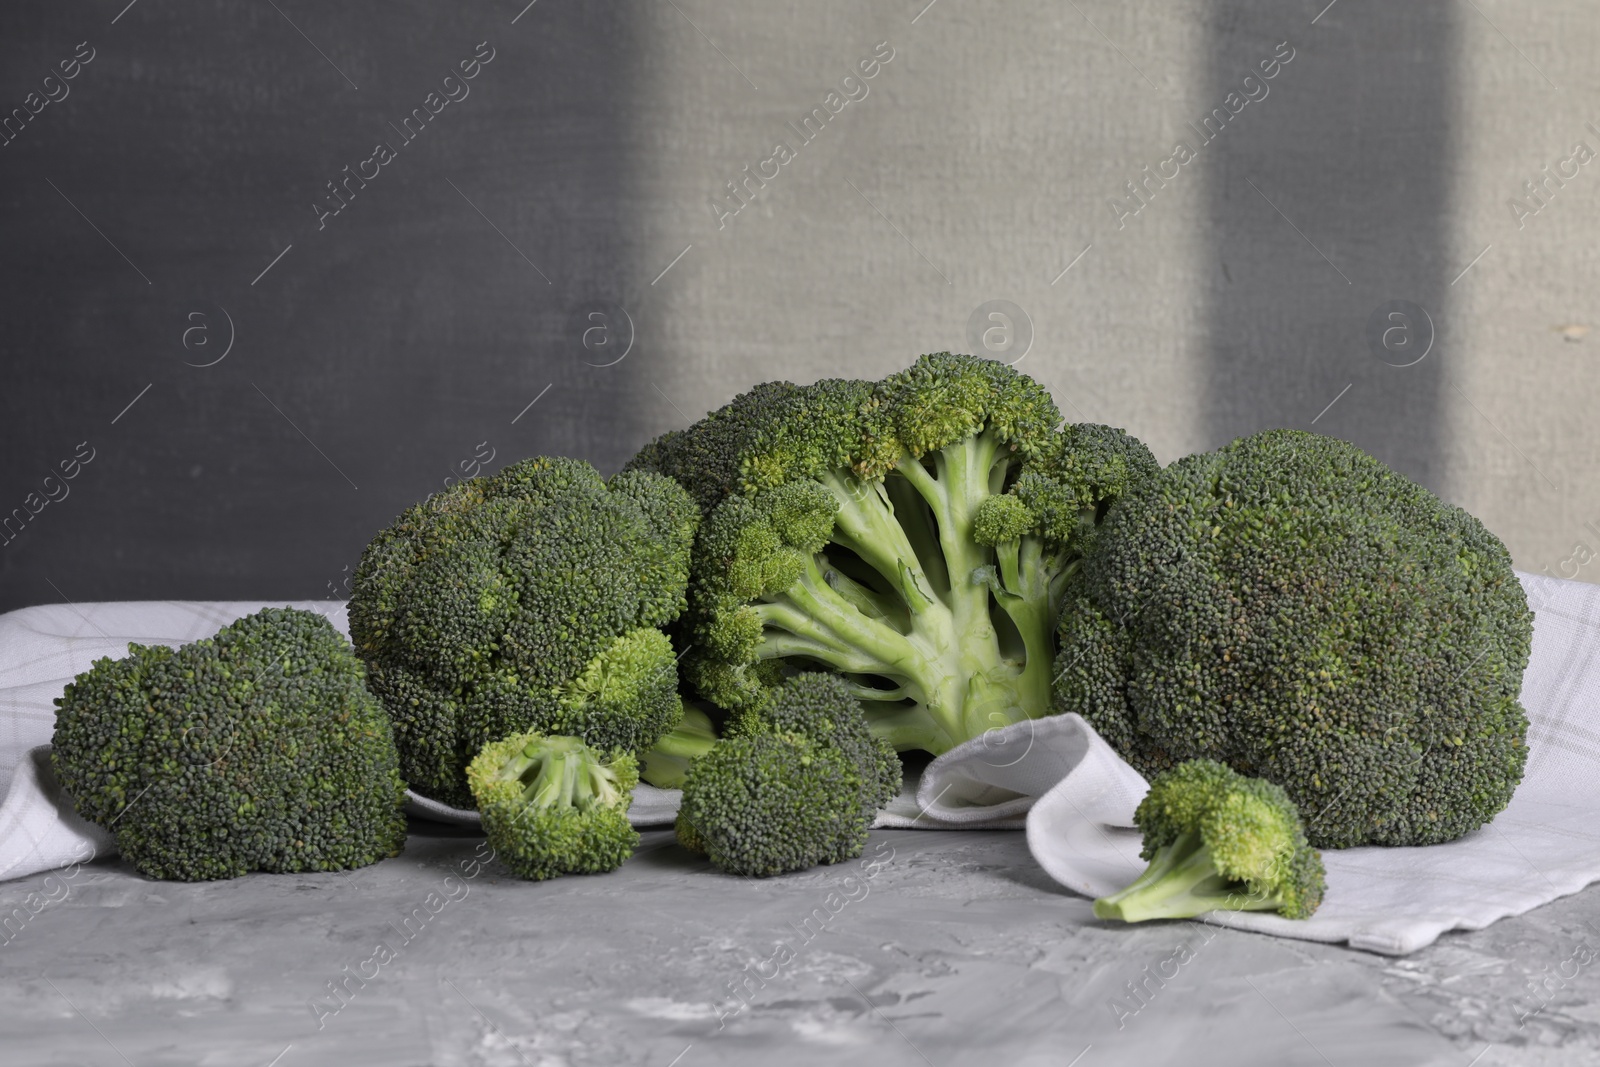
x,y
563,232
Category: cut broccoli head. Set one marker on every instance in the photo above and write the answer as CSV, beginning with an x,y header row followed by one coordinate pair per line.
x,y
796,781
553,805
257,749
1293,608
912,535
525,600
1218,841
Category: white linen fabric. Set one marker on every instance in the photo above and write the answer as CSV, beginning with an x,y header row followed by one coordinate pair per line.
x,y
1056,777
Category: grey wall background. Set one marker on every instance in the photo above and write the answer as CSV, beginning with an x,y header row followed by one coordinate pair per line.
x,y
583,175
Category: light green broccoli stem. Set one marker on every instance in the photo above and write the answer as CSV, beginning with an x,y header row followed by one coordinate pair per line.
x,y
560,772
1032,580
1181,882
666,762
927,631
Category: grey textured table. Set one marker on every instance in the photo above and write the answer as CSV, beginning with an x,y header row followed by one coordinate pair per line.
x,y
940,949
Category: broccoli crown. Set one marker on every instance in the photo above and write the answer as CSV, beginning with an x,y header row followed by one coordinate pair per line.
x,y
796,781
1293,608
553,805
912,535
525,600
1217,840
765,803
258,749
822,708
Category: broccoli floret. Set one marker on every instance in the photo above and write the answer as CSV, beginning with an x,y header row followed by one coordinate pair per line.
x,y
1218,841
913,535
1293,608
822,708
554,805
796,782
258,749
525,600
763,804
666,762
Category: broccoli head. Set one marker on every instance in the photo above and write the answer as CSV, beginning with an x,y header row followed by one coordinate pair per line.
x,y
1218,841
258,749
525,600
553,805
913,535
796,782
1293,608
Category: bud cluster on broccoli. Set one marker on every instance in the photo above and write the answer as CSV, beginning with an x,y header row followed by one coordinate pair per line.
x,y
258,749
526,600
1293,608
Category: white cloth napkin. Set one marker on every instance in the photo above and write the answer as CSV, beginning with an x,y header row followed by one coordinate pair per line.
x,y
1080,796
1055,776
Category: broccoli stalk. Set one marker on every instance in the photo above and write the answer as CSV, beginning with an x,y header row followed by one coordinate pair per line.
x,y
1218,841
666,762
914,535
928,627
556,772
553,805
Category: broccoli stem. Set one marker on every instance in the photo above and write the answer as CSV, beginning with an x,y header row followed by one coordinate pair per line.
x,y
555,773
1180,883
666,762
938,645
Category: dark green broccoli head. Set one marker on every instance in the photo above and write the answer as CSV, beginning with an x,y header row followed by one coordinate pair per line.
x,y
554,805
795,781
1218,841
766,803
258,749
822,708
525,600
1292,607
913,535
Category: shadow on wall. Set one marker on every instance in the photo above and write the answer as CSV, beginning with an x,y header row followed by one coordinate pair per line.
x,y
1329,265
420,314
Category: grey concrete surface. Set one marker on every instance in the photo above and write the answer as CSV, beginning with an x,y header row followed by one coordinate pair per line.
x,y
938,948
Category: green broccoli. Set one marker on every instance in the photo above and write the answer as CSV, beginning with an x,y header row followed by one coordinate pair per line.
x,y
258,749
1293,608
553,805
913,535
1218,841
665,763
525,600
796,782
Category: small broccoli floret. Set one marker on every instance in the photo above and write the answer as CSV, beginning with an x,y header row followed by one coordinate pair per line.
x,y
553,805
1218,841
525,600
822,708
665,763
767,803
796,782
257,749
913,535
1293,608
